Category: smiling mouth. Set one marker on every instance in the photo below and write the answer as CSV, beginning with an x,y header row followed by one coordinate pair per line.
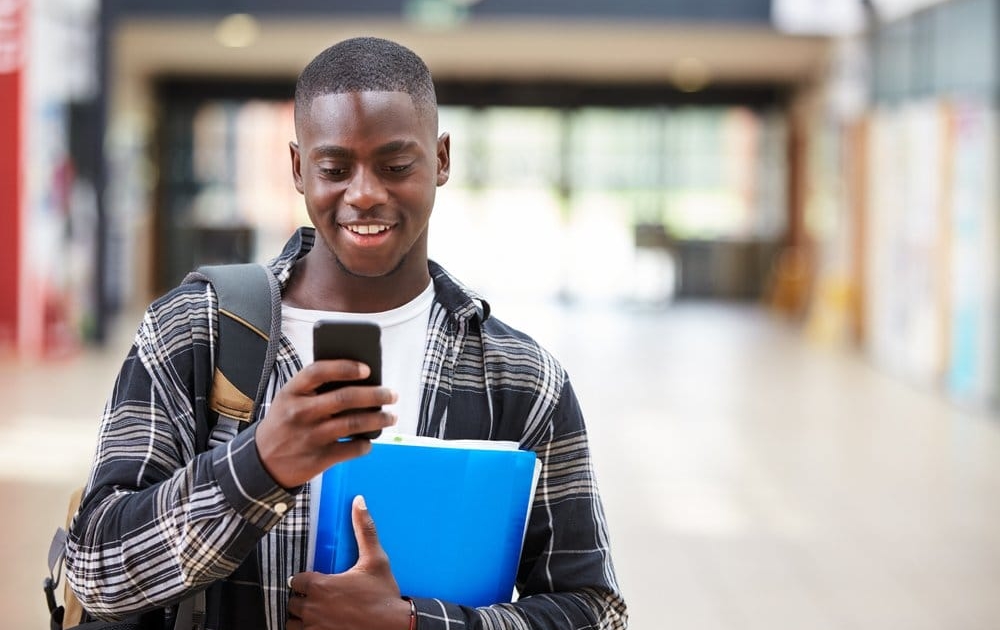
x,y
367,229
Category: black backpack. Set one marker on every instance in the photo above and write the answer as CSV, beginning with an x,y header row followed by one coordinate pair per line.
x,y
248,327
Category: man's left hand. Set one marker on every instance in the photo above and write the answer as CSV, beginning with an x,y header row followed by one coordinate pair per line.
x,y
364,597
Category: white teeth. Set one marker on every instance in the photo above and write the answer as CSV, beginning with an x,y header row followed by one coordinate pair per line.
x,y
367,229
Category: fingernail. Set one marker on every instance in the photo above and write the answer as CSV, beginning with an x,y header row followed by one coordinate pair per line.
x,y
361,502
290,582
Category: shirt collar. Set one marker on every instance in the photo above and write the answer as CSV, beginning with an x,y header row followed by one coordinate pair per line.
x,y
461,301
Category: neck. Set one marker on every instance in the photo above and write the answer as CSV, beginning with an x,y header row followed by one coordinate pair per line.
x,y
320,283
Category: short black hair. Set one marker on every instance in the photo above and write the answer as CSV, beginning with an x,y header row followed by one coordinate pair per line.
x,y
366,64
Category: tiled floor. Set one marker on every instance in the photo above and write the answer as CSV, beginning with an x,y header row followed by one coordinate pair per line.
x,y
752,480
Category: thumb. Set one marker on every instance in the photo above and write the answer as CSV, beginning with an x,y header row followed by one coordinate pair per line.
x,y
369,548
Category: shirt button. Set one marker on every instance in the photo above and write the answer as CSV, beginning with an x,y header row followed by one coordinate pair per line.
x,y
280,508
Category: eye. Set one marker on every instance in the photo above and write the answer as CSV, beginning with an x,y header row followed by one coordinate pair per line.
x,y
332,171
398,169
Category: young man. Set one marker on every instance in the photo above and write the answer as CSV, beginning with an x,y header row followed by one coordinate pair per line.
x,y
160,521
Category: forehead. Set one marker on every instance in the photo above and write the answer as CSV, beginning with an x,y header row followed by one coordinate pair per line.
x,y
358,116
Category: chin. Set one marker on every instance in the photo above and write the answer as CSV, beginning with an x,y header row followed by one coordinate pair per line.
x,y
363,270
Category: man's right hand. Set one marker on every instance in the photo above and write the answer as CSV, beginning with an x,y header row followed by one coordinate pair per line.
x,y
302,433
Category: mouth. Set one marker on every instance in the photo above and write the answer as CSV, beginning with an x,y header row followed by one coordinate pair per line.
x,y
366,229
367,232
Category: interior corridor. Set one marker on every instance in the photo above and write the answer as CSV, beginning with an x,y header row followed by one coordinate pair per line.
x,y
751,479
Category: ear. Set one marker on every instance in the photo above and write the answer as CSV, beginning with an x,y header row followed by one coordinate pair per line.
x,y
443,159
296,166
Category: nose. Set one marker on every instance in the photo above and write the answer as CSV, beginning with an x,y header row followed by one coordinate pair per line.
x,y
365,190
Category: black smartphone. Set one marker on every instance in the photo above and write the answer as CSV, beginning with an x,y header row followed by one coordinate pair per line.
x,y
358,341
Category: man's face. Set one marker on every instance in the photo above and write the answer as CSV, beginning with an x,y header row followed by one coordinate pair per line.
x,y
368,165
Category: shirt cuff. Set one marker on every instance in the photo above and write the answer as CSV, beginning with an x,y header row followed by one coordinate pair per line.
x,y
247,485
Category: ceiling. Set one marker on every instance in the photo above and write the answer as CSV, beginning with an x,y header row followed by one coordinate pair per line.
x,y
483,50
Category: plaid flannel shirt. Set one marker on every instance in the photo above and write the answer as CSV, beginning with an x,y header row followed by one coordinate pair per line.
x,y
160,521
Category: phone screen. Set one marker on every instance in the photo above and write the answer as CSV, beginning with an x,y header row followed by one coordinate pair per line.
x,y
358,341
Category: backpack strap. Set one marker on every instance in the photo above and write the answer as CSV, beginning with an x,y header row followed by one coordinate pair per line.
x,y
249,303
191,613
71,613
250,323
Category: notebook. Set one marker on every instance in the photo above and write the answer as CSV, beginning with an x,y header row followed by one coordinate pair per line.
x,y
450,514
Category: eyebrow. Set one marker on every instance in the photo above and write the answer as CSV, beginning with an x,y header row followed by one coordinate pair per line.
x,y
336,151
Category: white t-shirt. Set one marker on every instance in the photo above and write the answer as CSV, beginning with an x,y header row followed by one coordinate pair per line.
x,y
404,335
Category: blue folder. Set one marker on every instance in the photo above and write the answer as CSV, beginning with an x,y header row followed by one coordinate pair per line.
x,y
451,518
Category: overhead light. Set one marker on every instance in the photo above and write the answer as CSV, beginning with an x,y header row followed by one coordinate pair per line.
x,y
437,14
238,30
818,17
690,74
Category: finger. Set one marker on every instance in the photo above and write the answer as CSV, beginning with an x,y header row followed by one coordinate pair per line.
x,y
302,583
355,397
319,372
311,409
332,429
340,450
369,547
296,608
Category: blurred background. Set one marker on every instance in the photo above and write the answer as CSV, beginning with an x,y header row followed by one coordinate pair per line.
x,y
762,236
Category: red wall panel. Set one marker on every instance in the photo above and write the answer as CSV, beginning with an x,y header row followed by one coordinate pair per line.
x,y
11,165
